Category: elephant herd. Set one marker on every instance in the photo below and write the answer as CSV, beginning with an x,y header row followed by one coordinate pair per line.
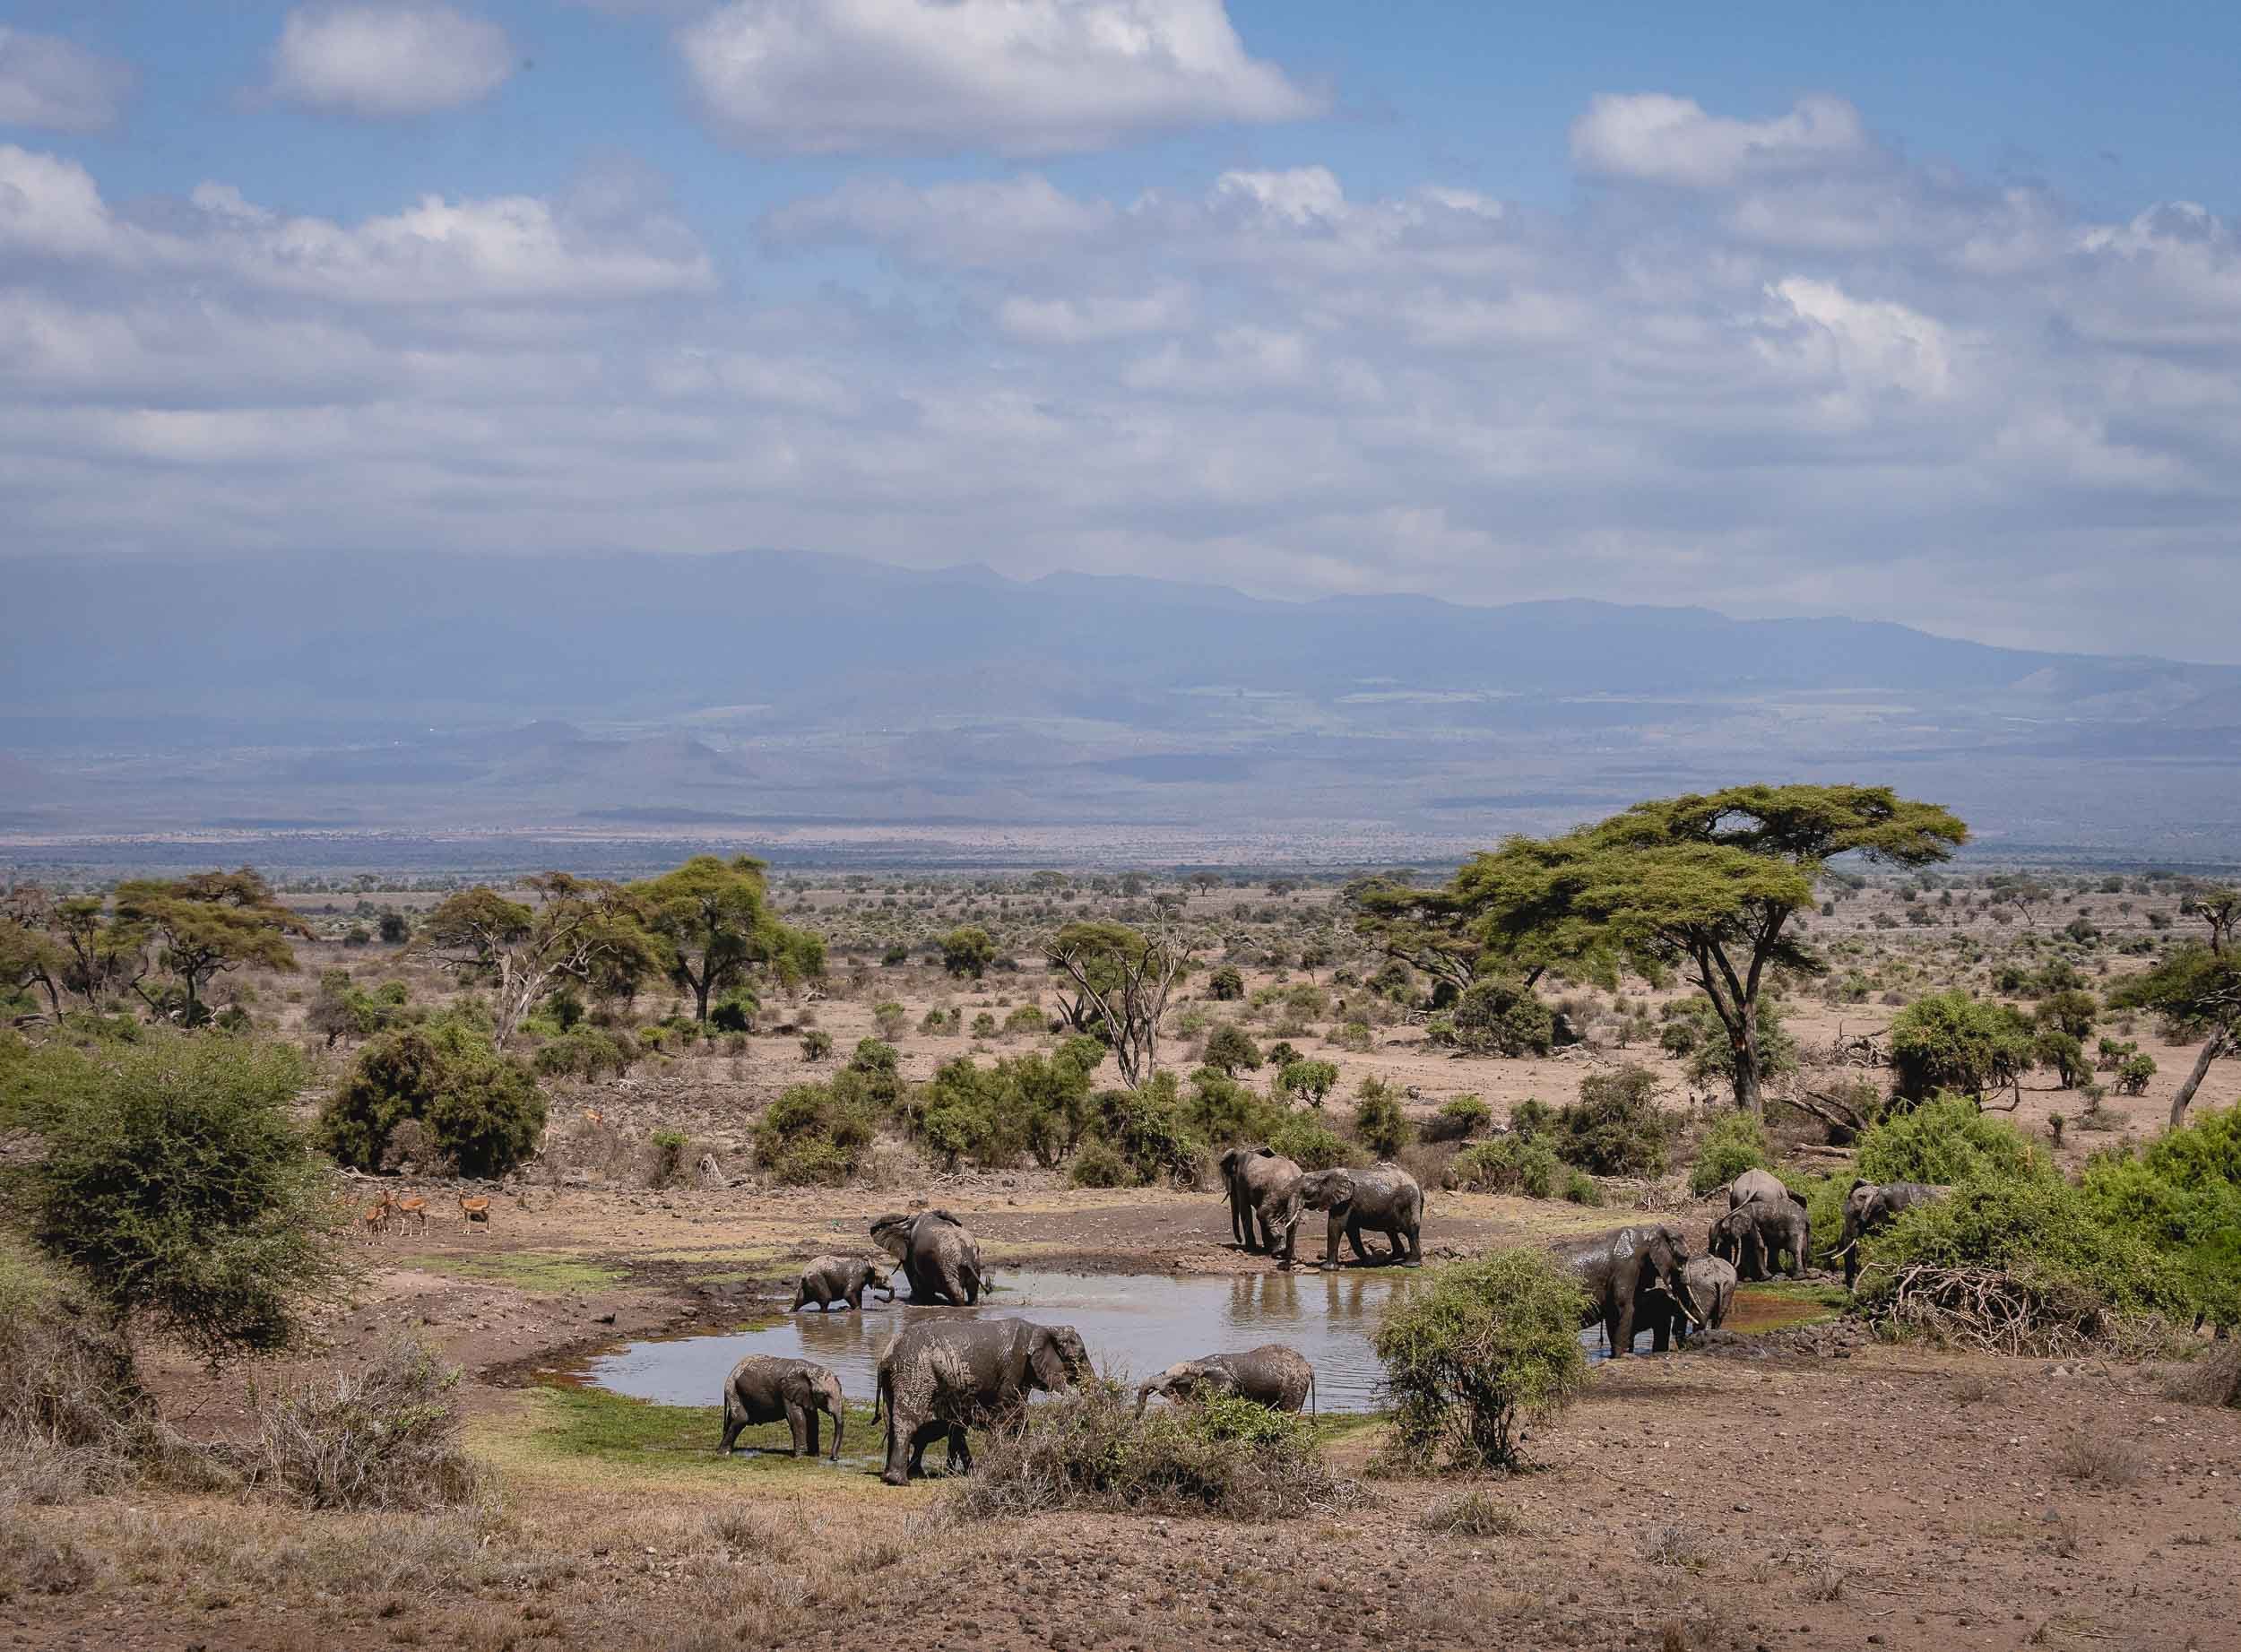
x,y
936,1379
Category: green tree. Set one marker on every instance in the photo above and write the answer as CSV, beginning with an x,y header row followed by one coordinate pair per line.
x,y
481,1106
714,920
1228,1047
29,954
2197,991
207,924
968,951
1311,1080
1379,1124
1226,984
175,1179
1952,1041
1121,977
1707,883
580,930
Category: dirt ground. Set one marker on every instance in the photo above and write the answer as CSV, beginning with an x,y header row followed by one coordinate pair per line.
x,y
1788,1489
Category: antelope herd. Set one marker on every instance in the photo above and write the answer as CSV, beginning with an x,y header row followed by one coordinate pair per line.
x,y
376,1219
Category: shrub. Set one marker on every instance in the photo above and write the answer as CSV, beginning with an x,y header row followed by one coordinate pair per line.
x,y
734,1012
2183,1195
1482,1345
1224,1457
817,1044
2133,1074
1615,1128
817,1134
1496,1016
1459,1119
1230,1047
1711,1055
1944,1141
968,951
1223,1110
1581,1189
483,1107
1312,1081
1735,1142
73,1417
1532,1118
669,1148
1354,1037
1099,1165
585,1051
1226,985
383,1435
1508,1164
2071,1010
1146,1126
1379,1124
1308,1142
1951,1040
176,1183
1027,1021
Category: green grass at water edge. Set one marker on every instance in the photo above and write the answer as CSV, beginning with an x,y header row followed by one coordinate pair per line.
x,y
571,1422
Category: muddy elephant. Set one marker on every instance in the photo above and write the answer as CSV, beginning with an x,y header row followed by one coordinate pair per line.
x,y
1869,1205
941,1376
764,1387
1759,1184
1711,1283
1270,1375
1384,1197
1755,1235
1259,1182
840,1279
1624,1272
939,1257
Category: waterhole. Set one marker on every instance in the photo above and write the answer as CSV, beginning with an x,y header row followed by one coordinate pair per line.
x,y
1135,1325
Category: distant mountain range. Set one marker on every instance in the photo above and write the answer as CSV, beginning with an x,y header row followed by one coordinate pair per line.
x,y
360,691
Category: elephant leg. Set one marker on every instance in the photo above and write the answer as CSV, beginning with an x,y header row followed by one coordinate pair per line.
x,y
960,1452
732,1424
809,1416
1416,1242
799,1424
1353,1238
1333,1228
1623,1332
1661,1328
902,1449
923,1436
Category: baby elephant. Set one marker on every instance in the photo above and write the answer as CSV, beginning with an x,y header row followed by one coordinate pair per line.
x,y
763,1388
1384,1197
1711,1287
1754,1235
1270,1375
840,1279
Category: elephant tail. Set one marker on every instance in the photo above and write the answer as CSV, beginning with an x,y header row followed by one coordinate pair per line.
x,y
1314,1416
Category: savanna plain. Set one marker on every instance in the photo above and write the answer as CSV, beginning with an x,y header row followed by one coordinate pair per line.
x,y
371,1421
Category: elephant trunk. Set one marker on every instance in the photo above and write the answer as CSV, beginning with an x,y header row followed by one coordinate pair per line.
x,y
1143,1395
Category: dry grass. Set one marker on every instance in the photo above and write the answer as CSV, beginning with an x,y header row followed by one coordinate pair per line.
x,y
383,1437
2212,1379
1473,1514
2095,1459
1679,1549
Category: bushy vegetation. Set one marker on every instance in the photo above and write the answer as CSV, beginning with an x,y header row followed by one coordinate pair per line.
x,y
1312,1081
1496,1016
1507,1164
1953,1041
176,1185
1379,1124
481,1106
1736,1142
1945,1141
1147,1129
817,1134
1224,1457
2182,1193
1459,1119
384,1435
1308,1142
1616,1127
1481,1346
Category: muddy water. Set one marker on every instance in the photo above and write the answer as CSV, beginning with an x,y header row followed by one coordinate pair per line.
x,y
1134,1324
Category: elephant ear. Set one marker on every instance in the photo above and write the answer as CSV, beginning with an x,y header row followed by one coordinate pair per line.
x,y
1047,1358
892,1234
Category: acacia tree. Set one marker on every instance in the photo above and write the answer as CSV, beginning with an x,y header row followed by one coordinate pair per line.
x,y
1123,977
29,955
2197,991
207,924
1707,883
582,930
107,954
1434,931
713,919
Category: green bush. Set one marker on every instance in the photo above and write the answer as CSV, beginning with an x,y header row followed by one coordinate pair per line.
x,y
1146,1127
669,1148
1496,1016
1308,1142
1099,1164
1951,1040
1310,1081
1580,1188
817,1134
1532,1118
1735,1142
1379,1124
2182,1194
175,1182
587,1051
1230,1047
483,1107
734,1012
1711,1053
1226,985
1222,1111
1459,1119
1484,1344
1507,1164
1944,1141
1616,1129
1027,1021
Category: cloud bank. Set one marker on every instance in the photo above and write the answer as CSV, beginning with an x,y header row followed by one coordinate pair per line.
x,y
388,62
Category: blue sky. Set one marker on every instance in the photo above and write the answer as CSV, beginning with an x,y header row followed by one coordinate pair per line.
x,y
1919,311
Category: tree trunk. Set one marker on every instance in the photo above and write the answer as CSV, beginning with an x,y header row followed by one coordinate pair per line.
x,y
2211,1049
700,991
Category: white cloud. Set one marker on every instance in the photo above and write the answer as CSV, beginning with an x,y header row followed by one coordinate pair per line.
x,y
50,207
1870,343
47,80
387,61
1668,139
1024,77
1302,195
967,224
1094,318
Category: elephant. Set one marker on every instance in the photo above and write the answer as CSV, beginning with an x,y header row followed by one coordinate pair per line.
x,y
1259,1181
941,1376
1624,1271
1270,1375
1754,1235
1759,1184
939,1257
1711,1283
763,1388
840,1279
1869,1205
1385,1198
